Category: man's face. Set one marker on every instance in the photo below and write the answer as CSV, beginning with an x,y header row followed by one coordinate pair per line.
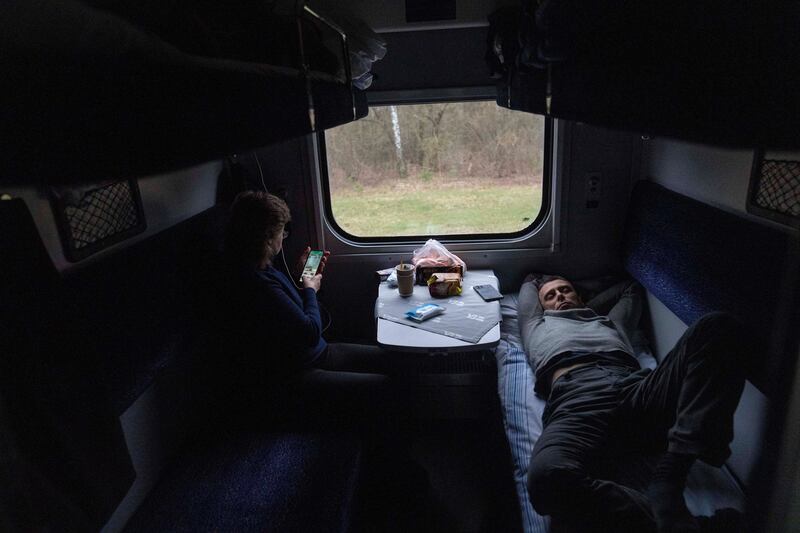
x,y
558,295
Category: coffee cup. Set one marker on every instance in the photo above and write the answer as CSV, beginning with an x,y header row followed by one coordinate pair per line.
x,y
405,279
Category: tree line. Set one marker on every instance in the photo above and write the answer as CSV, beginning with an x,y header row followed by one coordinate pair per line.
x,y
461,140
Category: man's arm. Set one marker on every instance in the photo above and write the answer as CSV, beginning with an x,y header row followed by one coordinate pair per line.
x,y
625,302
528,304
529,311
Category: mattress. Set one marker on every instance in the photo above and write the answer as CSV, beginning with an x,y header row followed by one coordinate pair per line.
x,y
708,489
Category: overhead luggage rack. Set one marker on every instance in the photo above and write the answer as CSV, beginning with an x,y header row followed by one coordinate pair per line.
x,y
713,72
331,102
92,94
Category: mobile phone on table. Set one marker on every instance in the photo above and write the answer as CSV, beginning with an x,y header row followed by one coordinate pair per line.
x,y
312,264
488,293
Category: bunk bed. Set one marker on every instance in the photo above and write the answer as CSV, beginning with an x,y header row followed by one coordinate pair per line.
x,y
710,72
102,89
689,285
708,489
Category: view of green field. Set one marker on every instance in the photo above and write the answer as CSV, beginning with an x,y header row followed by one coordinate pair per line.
x,y
452,208
436,169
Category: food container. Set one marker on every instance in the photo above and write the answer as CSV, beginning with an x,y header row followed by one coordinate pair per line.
x,y
444,284
425,272
405,279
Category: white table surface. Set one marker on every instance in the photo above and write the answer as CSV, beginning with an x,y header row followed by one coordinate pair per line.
x,y
399,337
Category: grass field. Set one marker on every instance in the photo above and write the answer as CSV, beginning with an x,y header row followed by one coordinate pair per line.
x,y
436,208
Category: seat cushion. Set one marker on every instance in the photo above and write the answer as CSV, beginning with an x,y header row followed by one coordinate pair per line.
x,y
256,481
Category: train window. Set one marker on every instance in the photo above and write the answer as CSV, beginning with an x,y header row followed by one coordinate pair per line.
x,y
438,169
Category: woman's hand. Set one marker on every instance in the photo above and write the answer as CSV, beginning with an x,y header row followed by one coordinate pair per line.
x,y
324,262
304,257
312,282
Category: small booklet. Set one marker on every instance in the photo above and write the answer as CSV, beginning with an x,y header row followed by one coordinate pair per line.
x,y
424,312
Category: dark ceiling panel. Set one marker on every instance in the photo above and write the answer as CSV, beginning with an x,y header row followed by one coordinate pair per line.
x,y
429,10
433,59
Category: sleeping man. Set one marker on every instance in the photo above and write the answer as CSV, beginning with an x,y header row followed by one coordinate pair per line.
x,y
602,405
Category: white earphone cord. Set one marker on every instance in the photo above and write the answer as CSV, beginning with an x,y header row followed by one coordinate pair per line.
x,y
283,256
321,308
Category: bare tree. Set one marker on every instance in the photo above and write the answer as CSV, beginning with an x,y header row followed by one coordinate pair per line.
x,y
466,140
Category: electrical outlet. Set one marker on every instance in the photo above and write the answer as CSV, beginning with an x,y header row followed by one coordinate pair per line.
x,y
592,193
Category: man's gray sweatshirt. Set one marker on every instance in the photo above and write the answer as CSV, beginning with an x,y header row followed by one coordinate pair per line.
x,y
550,337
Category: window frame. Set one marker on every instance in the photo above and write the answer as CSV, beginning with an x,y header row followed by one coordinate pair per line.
x,y
408,98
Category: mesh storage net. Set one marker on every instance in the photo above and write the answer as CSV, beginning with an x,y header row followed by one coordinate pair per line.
x,y
96,218
779,187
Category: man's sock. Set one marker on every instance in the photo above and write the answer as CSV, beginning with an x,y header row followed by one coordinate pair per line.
x,y
666,493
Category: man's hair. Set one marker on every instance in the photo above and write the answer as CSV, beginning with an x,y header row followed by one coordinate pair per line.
x,y
256,217
541,279
547,278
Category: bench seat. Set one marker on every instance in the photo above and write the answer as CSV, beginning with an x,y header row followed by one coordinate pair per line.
x,y
124,337
707,491
256,481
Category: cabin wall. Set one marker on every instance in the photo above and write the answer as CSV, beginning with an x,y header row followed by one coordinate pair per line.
x,y
390,15
153,428
591,236
718,177
167,199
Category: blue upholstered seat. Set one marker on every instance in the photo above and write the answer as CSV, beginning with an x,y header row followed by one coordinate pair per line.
x,y
256,481
696,259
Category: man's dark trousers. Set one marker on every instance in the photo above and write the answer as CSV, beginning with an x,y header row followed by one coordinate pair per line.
x,y
605,410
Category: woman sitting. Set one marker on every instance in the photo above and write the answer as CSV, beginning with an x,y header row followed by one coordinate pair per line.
x,y
275,328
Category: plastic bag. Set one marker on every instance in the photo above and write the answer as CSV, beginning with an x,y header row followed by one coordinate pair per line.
x,y
391,281
434,254
365,46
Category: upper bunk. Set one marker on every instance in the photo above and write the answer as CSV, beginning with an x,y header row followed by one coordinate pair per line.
x,y
713,72
101,89
108,89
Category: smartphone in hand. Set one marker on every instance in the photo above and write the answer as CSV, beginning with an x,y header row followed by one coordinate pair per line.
x,y
312,264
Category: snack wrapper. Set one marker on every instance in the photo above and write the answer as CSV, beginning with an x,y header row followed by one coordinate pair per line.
x,y
444,284
424,312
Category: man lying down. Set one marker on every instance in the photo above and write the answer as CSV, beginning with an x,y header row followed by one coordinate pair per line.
x,y
601,404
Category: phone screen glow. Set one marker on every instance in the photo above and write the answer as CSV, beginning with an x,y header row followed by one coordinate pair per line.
x,y
312,264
